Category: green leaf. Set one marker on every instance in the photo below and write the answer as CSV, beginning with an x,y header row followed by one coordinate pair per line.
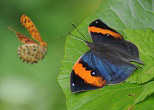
x,y
148,90
145,43
118,96
120,15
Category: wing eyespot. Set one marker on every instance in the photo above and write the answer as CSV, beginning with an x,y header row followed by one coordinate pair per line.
x,y
73,84
93,73
96,22
107,35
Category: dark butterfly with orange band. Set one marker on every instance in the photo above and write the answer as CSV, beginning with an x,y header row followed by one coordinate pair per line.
x,y
107,61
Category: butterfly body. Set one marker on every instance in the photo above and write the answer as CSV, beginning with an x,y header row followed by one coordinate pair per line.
x,y
107,61
30,51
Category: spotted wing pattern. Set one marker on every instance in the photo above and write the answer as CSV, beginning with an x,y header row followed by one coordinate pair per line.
x,y
22,38
31,53
29,25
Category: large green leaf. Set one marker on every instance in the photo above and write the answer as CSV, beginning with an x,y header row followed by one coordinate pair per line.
x,y
120,15
119,96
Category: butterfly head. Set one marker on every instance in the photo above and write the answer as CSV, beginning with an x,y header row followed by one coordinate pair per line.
x,y
89,44
43,44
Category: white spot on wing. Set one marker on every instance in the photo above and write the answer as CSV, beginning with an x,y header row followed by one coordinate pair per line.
x,y
107,34
93,73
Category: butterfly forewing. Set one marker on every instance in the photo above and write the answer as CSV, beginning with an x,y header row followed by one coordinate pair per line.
x,y
29,25
22,38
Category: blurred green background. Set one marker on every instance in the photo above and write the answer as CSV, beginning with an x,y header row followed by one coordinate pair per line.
x,y
34,87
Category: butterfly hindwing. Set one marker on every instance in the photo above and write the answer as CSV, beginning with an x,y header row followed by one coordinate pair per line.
x,y
120,69
127,50
31,53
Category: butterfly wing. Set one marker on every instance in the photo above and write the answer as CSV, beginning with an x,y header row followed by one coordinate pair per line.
x,y
88,76
101,33
29,25
31,53
120,69
22,38
93,71
126,50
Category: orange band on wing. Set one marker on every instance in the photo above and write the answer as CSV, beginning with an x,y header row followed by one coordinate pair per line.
x,y
104,31
86,75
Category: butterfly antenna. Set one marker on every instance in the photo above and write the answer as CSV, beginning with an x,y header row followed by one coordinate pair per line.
x,y
11,29
77,37
57,39
78,31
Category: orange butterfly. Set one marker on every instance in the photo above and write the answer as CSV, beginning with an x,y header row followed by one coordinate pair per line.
x,y
30,51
